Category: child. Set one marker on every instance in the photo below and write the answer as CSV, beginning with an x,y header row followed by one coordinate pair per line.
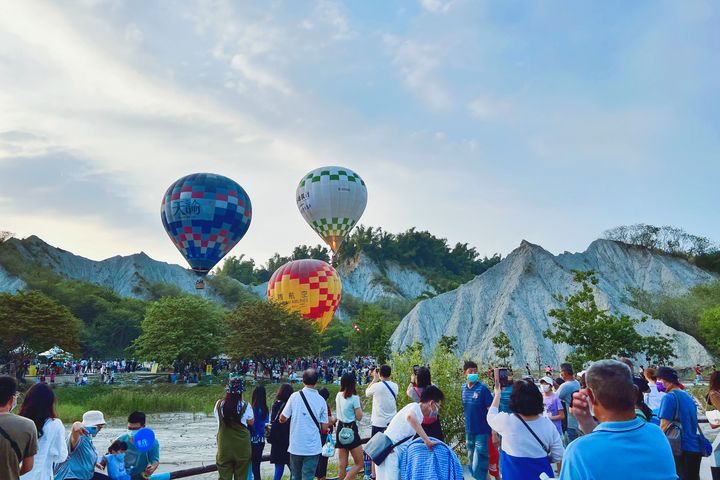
x,y
115,461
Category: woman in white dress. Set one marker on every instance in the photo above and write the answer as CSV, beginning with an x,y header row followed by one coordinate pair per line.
x,y
39,406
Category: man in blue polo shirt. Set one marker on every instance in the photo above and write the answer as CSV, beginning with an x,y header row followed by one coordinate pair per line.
x,y
476,398
622,445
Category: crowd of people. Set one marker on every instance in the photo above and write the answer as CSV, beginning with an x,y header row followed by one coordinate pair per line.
x,y
603,423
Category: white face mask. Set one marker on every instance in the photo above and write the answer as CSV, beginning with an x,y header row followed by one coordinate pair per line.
x,y
545,388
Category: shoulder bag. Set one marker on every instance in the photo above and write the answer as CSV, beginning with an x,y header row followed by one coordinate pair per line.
x,y
380,446
673,432
268,428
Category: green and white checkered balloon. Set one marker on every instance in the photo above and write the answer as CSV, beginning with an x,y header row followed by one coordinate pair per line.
x,y
332,200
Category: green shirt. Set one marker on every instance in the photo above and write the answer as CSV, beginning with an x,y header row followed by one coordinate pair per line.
x,y
24,434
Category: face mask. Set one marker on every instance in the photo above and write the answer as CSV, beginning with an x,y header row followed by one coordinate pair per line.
x,y
472,377
545,388
660,386
14,404
131,433
120,457
92,430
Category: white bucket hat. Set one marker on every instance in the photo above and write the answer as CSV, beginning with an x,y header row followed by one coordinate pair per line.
x,y
92,418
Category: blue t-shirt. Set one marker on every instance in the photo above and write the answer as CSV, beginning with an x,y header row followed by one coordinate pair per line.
x,y
634,448
688,418
116,468
476,401
257,431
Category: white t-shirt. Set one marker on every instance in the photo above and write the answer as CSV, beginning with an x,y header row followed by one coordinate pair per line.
x,y
304,434
384,406
52,448
400,428
517,441
345,407
247,414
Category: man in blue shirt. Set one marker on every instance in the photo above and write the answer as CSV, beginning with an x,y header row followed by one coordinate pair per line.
x,y
622,445
476,398
676,401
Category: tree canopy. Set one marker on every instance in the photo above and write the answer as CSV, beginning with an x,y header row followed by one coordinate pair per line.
x,y
596,334
37,322
503,348
185,328
264,330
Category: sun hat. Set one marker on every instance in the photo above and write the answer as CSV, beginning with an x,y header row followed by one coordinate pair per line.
x,y
547,380
92,418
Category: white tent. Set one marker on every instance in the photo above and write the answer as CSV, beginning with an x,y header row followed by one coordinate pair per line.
x,y
52,352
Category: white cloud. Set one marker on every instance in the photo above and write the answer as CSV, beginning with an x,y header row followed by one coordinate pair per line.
x,y
418,64
259,76
331,13
437,6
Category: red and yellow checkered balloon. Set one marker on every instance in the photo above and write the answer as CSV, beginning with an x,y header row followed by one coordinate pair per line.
x,y
310,287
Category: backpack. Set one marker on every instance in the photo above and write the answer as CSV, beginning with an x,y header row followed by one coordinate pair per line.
x,y
673,432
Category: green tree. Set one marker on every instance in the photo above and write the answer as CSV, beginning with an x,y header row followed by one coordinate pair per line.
x,y
595,333
503,348
266,330
447,374
376,326
186,328
448,342
33,320
710,328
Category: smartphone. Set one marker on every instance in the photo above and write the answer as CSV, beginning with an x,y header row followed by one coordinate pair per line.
x,y
415,369
503,377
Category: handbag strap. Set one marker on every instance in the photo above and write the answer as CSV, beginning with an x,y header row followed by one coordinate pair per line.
x,y
13,444
533,434
277,415
402,441
391,390
307,405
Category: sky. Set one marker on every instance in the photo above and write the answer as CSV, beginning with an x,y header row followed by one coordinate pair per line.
x,y
486,122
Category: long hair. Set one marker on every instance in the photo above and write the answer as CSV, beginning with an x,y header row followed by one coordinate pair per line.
x,y
230,408
284,392
714,384
347,385
39,405
259,401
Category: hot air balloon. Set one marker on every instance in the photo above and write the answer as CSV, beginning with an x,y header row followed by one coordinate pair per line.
x,y
332,200
205,216
310,287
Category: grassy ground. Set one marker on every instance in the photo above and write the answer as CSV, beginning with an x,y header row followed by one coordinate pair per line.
x,y
118,400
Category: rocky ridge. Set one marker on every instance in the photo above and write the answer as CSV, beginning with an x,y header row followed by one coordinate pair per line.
x,y
515,296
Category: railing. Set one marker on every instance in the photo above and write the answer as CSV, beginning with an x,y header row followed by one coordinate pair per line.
x,y
191,472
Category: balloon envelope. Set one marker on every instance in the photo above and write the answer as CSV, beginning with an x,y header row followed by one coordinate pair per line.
x,y
205,216
310,287
144,439
332,200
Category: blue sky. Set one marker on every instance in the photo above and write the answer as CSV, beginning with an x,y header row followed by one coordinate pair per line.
x,y
483,122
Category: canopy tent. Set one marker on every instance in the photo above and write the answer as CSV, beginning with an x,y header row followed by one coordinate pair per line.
x,y
53,352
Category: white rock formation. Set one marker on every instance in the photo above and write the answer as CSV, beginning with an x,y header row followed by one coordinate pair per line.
x,y
515,296
8,283
128,276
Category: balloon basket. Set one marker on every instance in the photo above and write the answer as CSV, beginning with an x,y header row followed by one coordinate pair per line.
x,y
200,285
